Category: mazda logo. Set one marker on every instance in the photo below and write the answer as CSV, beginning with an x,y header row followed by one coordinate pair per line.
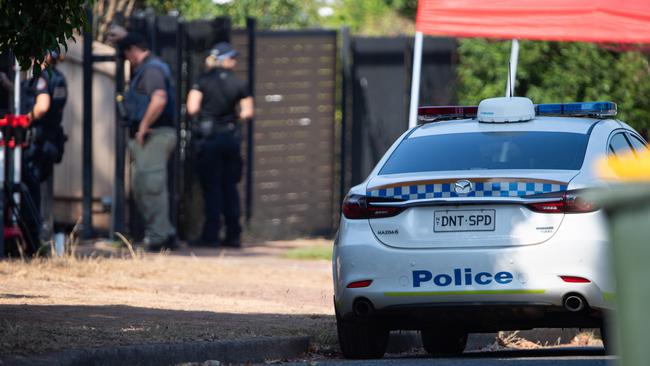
x,y
463,186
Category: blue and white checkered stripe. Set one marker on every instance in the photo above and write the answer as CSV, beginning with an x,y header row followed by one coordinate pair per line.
x,y
487,189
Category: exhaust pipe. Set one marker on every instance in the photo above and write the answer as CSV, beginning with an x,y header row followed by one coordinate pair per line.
x,y
363,308
574,303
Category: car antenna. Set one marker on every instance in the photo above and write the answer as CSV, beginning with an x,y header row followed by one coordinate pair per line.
x,y
512,69
509,88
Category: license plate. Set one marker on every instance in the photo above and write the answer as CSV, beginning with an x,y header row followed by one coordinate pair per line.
x,y
463,220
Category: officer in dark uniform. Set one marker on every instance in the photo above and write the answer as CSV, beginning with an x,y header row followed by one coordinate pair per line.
x,y
43,101
222,101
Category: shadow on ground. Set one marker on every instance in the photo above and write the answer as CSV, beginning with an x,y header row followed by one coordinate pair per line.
x,y
38,329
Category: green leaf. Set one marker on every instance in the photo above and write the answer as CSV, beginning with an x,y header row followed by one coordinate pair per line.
x,y
558,72
30,29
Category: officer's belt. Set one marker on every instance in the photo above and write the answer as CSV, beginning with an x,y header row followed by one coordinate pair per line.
x,y
217,125
220,121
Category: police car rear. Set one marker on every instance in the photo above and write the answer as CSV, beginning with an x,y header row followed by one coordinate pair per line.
x,y
477,223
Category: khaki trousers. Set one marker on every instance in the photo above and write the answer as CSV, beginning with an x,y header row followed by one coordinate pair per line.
x,y
149,182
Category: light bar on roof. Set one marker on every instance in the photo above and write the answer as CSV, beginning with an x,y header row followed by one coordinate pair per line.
x,y
596,109
431,114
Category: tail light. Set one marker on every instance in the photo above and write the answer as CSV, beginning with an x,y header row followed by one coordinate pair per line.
x,y
359,284
363,207
567,202
574,279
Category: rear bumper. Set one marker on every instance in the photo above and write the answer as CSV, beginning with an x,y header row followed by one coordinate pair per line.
x,y
530,292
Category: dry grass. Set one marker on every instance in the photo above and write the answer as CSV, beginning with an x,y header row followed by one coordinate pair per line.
x,y
160,279
132,297
586,339
513,340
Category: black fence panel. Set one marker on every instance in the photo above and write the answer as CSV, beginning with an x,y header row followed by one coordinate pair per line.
x,y
294,134
438,80
381,84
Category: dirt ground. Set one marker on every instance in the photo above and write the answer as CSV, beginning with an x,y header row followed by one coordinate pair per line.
x,y
188,295
103,297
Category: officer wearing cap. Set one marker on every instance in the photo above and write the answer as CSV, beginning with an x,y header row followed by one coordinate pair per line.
x,y
150,114
221,100
43,101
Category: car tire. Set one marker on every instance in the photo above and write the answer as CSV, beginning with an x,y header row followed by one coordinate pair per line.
x,y
362,340
443,343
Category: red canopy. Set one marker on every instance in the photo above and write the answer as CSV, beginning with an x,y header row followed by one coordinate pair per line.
x,y
620,21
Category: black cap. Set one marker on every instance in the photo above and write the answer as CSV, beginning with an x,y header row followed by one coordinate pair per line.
x,y
223,50
132,39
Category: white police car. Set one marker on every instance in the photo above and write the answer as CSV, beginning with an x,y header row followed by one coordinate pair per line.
x,y
477,222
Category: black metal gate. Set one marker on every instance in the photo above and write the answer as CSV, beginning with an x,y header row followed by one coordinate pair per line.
x,y
381,82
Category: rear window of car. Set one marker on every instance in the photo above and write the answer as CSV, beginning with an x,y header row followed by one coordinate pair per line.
x,y
488,150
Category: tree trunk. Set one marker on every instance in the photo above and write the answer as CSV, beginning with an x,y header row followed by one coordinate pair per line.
x,y
104,13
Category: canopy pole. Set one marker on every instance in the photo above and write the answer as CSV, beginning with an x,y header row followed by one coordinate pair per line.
x,y
17,89
415,80
514,59
17,150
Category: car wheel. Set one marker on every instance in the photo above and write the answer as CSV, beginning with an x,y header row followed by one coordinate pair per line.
x,y
443,343
362,340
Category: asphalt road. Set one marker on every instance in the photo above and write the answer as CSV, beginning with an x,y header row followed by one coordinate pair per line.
x,y
561,356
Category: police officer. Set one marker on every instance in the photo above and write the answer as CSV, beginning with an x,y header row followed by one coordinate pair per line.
x,y
43,101
150,112
221,100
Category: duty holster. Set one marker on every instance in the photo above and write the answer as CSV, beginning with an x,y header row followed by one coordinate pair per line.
x,y
46,147
207,128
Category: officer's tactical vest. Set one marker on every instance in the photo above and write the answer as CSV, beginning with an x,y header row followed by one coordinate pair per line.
x,y
58,92
136,103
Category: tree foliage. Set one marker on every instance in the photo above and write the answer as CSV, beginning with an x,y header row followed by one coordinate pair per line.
x,y
558,72
270,14
372,17
406,8
30,28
